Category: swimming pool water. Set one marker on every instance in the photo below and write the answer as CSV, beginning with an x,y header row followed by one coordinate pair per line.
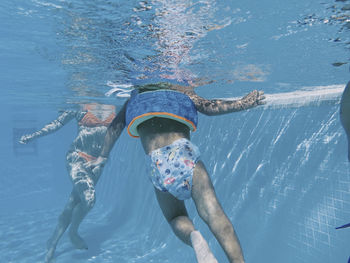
x,y
280,171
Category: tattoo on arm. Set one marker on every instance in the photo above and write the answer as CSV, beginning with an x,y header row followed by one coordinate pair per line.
x,y
217,106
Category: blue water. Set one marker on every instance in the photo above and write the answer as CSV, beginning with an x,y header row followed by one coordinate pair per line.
x,y
280,171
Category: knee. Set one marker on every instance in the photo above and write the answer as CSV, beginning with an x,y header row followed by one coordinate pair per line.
x,y
179,221
85,189
216,219
89,200
212,213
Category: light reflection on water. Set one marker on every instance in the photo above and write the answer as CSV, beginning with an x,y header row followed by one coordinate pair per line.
x,y
227,44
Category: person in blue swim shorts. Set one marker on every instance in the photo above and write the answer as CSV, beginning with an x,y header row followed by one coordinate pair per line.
x,y
162,115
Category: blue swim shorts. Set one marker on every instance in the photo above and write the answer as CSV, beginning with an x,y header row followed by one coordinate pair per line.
x,y
172,168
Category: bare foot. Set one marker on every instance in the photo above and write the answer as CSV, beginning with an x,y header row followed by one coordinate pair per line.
x,y
77,241
201,248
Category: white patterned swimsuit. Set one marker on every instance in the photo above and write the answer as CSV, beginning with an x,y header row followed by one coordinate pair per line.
x,y
172,168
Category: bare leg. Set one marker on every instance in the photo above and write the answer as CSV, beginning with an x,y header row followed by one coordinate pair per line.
x,y
85,189
79,214
175,212
63,222
210,210
201,248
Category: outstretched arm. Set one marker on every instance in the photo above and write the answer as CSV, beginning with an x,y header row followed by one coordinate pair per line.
x,y
53,126
217,106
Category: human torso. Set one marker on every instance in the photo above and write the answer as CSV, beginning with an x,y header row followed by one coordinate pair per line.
x,y
93,121
159,132
169,117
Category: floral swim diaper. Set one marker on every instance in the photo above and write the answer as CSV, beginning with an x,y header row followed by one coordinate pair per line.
x,y
172,168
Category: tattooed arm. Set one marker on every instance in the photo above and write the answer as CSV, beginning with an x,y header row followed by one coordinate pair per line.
x,y
53,126
218,107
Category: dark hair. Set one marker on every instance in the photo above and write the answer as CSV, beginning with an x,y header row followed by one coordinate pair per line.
x,y
153,86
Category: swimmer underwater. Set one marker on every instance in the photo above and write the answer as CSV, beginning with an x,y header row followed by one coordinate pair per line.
x,y
162,115
92,121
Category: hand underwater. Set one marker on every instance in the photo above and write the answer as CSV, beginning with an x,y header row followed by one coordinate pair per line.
x,y
96,165
253,99
25,139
